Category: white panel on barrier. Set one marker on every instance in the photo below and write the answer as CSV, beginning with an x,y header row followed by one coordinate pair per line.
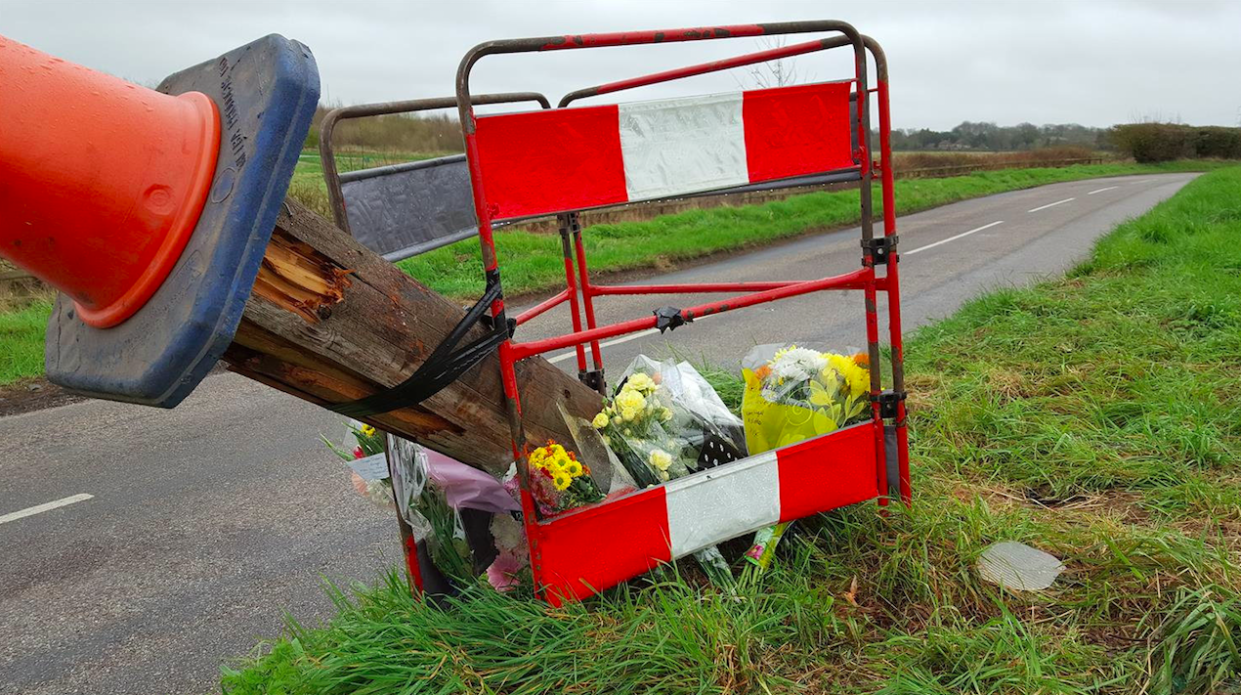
x,y
743,497
678,145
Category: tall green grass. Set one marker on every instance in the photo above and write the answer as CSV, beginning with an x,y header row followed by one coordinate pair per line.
x,y
1096,417
21,341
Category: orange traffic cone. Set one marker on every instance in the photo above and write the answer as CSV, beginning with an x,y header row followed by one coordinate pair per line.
x,y
149,209
102,180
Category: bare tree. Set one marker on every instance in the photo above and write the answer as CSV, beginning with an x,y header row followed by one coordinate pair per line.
x,y
773,73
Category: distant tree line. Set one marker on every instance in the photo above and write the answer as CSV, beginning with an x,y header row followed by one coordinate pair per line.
x,y
1162,142
989,137
1145,142
427,133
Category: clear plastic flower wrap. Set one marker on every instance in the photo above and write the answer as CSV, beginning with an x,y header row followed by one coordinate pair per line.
x,y
424,506
794,393
665,421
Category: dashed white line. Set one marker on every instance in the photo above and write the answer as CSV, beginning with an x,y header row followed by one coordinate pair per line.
x,y
1109,188
1052,205
952,238
45,507
640,334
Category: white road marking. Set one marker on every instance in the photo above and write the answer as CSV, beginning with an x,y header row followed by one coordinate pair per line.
x,y
46,507
640,334
610,343
952,238
1109,188
1050,205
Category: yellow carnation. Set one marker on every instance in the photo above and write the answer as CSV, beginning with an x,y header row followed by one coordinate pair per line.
x,y
600,421
630,401
661,459
640,382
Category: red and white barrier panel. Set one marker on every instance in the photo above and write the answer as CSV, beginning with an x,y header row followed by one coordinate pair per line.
x,y
544,162
598,547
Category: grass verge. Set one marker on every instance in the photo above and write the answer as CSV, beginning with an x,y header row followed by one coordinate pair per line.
x,y
1095,417
21,341
532,262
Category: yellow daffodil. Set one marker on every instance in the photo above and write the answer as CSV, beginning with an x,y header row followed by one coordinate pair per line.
x,y
367,430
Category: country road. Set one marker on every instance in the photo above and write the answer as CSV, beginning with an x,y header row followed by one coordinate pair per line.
x,y
142,548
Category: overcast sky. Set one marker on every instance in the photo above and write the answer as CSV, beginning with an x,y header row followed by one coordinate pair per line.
x,y
1095,63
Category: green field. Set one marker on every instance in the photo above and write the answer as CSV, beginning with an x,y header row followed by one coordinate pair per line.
x,y
1111,396
532,262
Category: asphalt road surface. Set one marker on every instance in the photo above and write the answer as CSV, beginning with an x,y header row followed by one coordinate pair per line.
x,y
142,548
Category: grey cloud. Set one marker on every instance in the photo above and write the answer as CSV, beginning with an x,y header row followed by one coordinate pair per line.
x,y
1094,63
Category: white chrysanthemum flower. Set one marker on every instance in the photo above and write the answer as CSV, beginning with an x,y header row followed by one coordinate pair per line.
x,y
508,534
797,364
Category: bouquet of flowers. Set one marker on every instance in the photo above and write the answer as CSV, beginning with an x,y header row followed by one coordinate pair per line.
x,y
365,458
665,421
558,481
636,424
792,394
799,393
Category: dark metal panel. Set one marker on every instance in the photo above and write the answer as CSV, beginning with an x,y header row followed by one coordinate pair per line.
x,y
406,209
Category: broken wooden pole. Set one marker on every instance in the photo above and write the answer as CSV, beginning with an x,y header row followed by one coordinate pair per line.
x,y
330,321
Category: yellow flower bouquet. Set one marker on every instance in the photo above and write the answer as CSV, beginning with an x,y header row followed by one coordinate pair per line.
x,y
559,481
801,393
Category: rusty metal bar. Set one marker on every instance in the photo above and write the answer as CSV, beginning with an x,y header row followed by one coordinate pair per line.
x,y
548,43
848,281
729,63
327,153
689,288
692,70
542,307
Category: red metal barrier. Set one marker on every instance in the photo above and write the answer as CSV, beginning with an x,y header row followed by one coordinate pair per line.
x,y
609,155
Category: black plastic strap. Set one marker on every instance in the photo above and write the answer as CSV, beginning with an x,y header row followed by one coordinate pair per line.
x,y
668,318
442,368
